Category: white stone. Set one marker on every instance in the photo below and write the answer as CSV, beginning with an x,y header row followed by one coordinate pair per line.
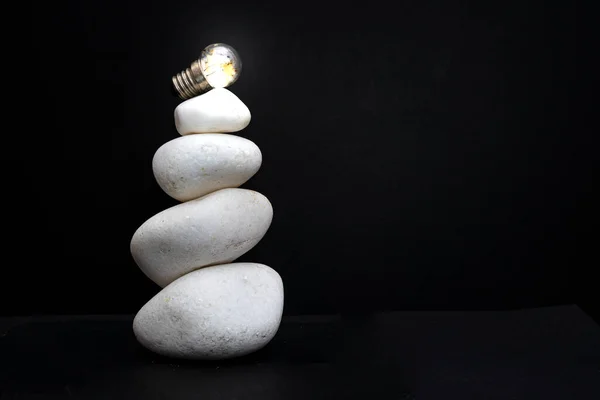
x,y
215,111
191,166
216,312
214,229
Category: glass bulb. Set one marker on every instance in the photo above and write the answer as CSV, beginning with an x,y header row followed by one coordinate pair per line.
x,y
220,64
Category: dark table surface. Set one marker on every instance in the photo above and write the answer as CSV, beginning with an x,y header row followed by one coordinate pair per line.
x,y
545,353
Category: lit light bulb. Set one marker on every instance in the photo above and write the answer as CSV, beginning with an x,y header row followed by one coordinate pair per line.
x,y
219,66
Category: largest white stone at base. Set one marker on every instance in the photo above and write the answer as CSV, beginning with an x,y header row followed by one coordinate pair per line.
x,y
216,312
213,229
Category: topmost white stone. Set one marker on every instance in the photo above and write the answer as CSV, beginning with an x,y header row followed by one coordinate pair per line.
x,y
216,111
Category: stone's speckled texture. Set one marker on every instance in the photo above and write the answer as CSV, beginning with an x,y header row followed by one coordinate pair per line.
x,y
213,229
191,166
216,111
216,312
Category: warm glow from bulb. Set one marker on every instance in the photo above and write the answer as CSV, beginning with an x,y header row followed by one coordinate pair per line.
x,y
220,65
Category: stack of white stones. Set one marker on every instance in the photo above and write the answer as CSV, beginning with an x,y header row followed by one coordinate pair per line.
x,y
209,307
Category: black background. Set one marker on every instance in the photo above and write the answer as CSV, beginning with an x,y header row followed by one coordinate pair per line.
x,y
418,155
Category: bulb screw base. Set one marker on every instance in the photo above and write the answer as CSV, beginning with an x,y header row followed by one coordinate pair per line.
x,y
190,82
